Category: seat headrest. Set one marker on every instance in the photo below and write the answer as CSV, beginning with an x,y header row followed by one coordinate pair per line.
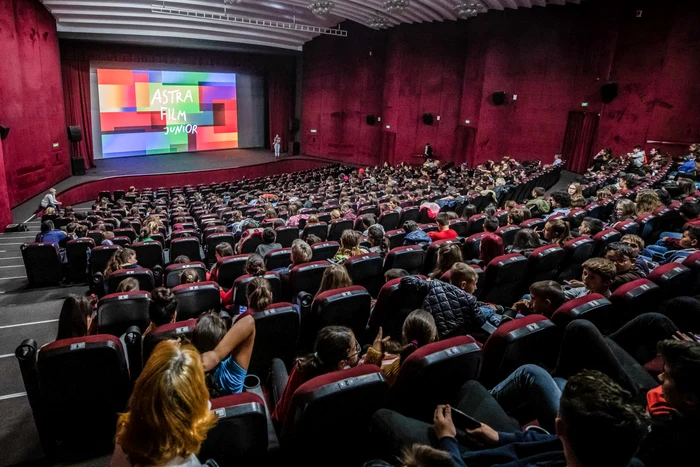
x,y
334,294
236,399
633,289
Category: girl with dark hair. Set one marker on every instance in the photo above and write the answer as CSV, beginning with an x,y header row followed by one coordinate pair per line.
x,y
259,294
379,243
255,265
76,317
418,329
334,277
335,349
447,256
526,240
557,232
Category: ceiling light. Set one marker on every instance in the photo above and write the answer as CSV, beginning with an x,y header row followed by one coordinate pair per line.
x,y
396,6
469,9
378,22
233,2
321,8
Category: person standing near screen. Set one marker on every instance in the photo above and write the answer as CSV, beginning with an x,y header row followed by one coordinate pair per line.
x,y
277,142
428,154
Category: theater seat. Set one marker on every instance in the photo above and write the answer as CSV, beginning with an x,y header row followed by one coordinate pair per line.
x,y
240,436
77,255
306,278
149,254
100,256
278,259
395,238
673,278
430,259
543,263
476,224
603,239
126,232
250,240
276,335
575,217
174,271
410,213
231,268
389,220
470,248
532,339
320,230
692,262
409,258
502,279
142,275
212,241
533,224
76,388
182,329
42,264
577,251
287,235
117,312
240,284
593,307
366,270
628,227
188,246
324,250
392,306
508,234
635,298
351,396
433,375
337,227
460,226
195,299
348,306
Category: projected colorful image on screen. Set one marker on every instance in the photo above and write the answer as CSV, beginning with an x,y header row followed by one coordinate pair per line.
x,y
154,112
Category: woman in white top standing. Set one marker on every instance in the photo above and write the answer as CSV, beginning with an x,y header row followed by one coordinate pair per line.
x,y
277,142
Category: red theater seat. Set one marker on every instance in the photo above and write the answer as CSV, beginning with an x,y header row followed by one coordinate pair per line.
x,y
470,249
230,269
366,270
117,312
508,234
77,255
278,259
476,224
543,263
395,238
392,306
594,308
431,253
503,278
195,299
348,306
174,271
42,263
635,298
337,227
673,278
627,227
603,239
182,329
389,220
306,277
577,251
409,258
276,336
324,250
187,246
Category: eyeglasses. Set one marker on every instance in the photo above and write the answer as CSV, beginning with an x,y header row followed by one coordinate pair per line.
x,y
358,350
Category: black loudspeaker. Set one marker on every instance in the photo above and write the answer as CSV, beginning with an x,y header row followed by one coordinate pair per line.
x,y
428,119
294,148
608,92
499,98
371,120
4,131
75,134
77,166
293,125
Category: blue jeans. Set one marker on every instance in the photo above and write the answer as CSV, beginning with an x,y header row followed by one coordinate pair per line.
x,y
530,393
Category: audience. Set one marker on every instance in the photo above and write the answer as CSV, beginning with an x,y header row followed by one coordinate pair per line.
x,y
444,231
268,236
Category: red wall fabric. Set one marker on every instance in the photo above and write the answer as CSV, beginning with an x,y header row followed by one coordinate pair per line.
x,y
553,59
76,89
31,101
5,212
89,191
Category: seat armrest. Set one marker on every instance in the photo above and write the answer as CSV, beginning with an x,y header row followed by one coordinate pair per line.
x,y
278,379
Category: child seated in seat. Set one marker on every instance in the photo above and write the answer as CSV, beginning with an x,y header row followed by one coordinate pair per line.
x,y
637,244
225,354
223,250
623,258
689,243
598,276
162,308
545,298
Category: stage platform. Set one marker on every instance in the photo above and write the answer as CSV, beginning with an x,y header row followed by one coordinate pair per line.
x,y
162,164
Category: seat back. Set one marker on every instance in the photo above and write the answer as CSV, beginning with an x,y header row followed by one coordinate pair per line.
x,y
195,299
366,270
351,395
320,230
42,263
537,224
395,238
543,263
84,385
411,213
389,220
577,251
213,240
673,278
240,284
251,239
603,239
182,329
277,259
117,312
337,227
149,254
503,278
575,217
188,246
476,224
143,275
77,255
174,271
230,269
126,232
692,262
393,305
470,248
324,250
593,307
276,336
306,277
122,241
409,258
100,256
433,375
348,306
532,339
635,298
240,436
96,235
287,235
627,227
508,234
431,253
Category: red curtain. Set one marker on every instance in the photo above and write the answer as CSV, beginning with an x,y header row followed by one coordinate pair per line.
x,y
76,91
580,135
280,86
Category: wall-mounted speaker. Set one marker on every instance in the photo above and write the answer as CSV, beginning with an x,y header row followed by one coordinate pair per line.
x,y
75,134
4,131
294,125
371,120
498,98
609,92
428,119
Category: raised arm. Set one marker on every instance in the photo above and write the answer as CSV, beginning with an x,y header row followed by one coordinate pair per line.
x,y
235,336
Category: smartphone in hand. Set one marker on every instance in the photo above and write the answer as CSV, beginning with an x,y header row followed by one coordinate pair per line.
x,y
463,420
